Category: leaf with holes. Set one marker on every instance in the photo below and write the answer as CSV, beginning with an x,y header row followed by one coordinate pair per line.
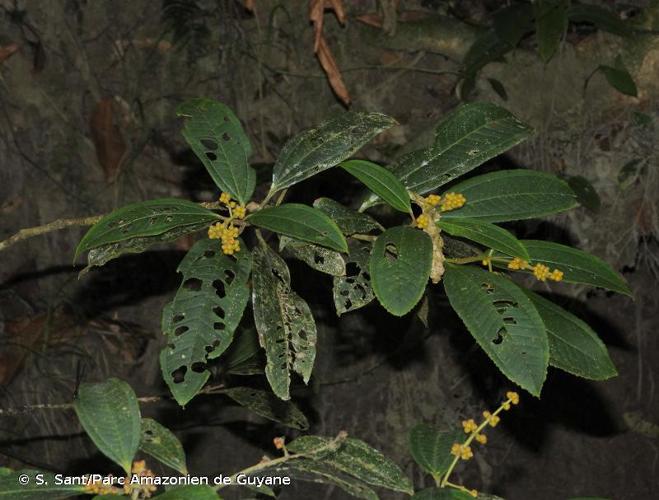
x,y
603,19
349,221
199,323
189,493
381,181
354,290
161,443
268,406
486,234
100,256
400,267
466,138
110,415
503,321
431,449
356,458
324,147
39,485
550,26
217,138
302,223
512,195
573,346
145,219
577,265
319,258
287,330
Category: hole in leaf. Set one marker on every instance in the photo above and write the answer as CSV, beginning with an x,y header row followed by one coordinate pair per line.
x,y
178,375
209,254
211,156
180,330
318,259
391,252
192,284
352,269
499,338
219,312
229,276
178,318
219,288
489,289
218,326
209,144
198,367
226,137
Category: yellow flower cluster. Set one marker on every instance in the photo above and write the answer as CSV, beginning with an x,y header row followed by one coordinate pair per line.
x,y
226,231
433,200
422,221
140,489
491,419
469,425
452,201
98,488
513,397
540,271
462,451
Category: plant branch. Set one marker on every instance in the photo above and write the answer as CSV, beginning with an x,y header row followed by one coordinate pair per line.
x,y
56,225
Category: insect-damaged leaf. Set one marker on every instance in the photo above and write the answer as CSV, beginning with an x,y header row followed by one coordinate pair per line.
x,y
400,267
324,147
356,458
217,138
145,219
504,322
354,290
287,330
319,258
348,220
11,487
268,406
110,414
467,137
199,323
161,443
301,222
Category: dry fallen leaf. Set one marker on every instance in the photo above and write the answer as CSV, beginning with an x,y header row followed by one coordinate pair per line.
x,y
332,70
109,143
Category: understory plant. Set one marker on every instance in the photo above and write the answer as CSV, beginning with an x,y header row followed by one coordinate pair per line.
x,y
444,234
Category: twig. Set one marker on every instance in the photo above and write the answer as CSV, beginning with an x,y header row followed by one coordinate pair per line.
x,y
30,232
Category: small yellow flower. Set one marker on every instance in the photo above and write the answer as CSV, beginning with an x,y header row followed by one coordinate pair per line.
x,y
541,272
279,443
513,396
493,420
233,204
481,438
517,264
240,212
473,493
452,201
433,200
556,275
216,231
422,221
225,198
469,425
466,453
456,449
505,405
231,247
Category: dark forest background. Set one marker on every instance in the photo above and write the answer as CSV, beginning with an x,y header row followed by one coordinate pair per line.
x,y
88,91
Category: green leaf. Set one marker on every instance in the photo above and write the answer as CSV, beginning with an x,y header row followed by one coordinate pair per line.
x,y
161,443
349,221
319,258
467,137
40,485
110,415
200,322
243,356
498,87
486,234
400,267
189,493
441,494
310,470
603,19
141,220
287,330
573,346
619,78
324,147
488,47
431,449
354,291
268,406
217,138
577,265
512,195
585,192
358,459
302,223
99,256
381,181
550,25
503,321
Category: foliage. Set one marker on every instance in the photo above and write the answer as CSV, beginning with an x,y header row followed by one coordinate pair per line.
x,y
522,332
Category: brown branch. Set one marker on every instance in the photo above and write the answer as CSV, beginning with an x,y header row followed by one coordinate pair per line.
x,y
31,232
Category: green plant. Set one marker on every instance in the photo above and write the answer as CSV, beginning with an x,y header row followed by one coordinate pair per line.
x,y
522,332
